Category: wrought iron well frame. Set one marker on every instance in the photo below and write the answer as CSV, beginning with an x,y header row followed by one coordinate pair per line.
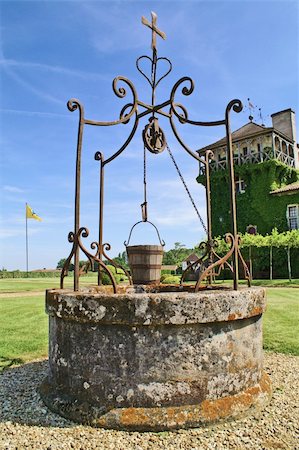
x,y
210,262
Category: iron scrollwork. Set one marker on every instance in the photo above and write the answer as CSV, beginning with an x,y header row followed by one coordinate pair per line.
x,y
75,239
154,140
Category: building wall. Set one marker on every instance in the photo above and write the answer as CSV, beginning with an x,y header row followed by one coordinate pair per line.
x,y
255,206
253,150
285,122
265,142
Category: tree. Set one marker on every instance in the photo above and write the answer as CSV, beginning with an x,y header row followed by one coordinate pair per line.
x,y
252,240
176,255
287,240
122,260
272,240
61,262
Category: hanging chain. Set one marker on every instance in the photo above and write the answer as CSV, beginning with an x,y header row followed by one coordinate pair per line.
x,y
144,204
187,190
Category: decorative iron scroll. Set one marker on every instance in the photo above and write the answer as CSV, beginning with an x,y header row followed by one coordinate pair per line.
x,y
154,140
210,264
77,245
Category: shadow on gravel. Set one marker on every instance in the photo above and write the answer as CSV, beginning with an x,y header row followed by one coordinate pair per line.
x,y
7,362
19,398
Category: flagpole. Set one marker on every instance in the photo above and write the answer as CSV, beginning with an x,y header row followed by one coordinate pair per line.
x,y
26,241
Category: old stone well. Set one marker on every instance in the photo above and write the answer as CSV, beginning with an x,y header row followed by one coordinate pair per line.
x,y
155,360
143,355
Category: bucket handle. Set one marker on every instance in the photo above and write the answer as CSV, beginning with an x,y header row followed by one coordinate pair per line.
x,y
142,221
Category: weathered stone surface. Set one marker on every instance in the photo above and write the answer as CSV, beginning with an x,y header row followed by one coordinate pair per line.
x,y
156,308
113,358
163,418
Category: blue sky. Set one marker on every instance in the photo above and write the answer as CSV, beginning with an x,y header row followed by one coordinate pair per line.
x,y
52,51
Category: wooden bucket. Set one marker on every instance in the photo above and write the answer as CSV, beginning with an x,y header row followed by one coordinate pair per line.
x,y
145,262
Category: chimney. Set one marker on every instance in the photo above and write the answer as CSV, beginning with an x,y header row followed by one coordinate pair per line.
x,y
284,121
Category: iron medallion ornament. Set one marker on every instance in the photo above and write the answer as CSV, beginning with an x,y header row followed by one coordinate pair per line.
x,y
154,137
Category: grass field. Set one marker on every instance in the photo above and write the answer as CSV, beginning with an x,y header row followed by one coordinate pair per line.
x,y
24,324
23,329
281,321
41,284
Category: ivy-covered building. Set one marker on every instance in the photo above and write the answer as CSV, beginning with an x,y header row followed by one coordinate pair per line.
x,y
266,177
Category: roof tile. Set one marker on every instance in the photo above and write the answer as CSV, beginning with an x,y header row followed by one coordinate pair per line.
x,y
291,188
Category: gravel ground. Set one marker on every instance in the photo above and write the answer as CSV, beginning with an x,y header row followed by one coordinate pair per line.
x,y
25,423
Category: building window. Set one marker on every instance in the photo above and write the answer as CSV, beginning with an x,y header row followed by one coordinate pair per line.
x,y
240,186
222,155
293,216
245,151
259,148
291,151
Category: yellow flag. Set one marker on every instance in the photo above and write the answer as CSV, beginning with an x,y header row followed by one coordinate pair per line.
x,y
31,214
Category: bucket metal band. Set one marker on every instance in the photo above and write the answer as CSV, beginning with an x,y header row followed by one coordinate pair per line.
x,y
144,252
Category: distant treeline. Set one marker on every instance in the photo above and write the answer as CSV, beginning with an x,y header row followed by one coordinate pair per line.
x,y
35,274
23,274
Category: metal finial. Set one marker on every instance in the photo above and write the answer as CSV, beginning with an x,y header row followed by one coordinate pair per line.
x,y
154,28
251,108
261,117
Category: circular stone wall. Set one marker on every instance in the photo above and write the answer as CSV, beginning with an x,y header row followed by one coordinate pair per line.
x,y
155,361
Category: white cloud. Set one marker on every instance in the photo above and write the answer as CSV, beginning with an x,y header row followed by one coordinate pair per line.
x,y
104,23
16,232
58,220
176,217
22,82
32,88
51,68
14,189
37,113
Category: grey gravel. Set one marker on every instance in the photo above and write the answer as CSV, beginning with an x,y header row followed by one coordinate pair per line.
x,y
25,423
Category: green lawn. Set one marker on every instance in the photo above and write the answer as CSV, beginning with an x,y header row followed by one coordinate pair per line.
x,y
23,329
24,324
281,321
265,283
41,284
274,283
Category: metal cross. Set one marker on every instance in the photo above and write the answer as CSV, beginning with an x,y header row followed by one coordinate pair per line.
x,y
154,28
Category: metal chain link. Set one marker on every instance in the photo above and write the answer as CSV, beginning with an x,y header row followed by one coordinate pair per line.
x,y
144,204
144,171
187,190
